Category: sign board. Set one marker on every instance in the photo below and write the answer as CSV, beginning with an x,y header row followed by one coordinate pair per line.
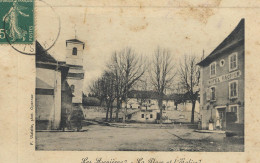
x,y
225,77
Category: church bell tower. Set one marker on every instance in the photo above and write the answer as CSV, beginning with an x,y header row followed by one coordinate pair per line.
x,y
75,77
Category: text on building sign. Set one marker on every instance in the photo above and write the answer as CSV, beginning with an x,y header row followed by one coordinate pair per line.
x,y
225,77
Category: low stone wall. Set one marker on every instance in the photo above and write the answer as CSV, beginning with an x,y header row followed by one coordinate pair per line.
x,y
98,113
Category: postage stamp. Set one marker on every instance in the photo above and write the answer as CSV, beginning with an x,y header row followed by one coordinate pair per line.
x,y
16,21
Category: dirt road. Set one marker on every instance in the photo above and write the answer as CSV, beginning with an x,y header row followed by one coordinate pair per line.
x,y
107,138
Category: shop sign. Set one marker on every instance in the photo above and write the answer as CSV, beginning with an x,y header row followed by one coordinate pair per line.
x,y
225,77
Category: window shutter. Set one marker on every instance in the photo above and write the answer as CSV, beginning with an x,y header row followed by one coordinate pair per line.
x,y
208,94
235,89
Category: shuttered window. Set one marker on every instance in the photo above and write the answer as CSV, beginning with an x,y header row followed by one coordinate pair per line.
x,y
213,69
234,110
233,89
213,93
233,61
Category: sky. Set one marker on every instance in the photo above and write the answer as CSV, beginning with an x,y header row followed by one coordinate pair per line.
x,y
182,30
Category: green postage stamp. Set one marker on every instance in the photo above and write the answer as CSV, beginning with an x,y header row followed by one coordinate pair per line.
x,y
16,21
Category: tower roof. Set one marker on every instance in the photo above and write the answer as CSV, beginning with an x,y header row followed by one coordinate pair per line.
x,y
75,41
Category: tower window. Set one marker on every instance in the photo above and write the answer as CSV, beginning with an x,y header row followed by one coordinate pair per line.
x,y
74,51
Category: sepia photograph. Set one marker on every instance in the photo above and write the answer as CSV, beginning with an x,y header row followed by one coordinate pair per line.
x,y
161,80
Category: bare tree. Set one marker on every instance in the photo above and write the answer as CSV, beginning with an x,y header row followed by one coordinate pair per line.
x,y
110,91
162,73
127,68
96,90
189,75
104,89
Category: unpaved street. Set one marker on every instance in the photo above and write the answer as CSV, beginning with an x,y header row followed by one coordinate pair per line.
x,y
107,138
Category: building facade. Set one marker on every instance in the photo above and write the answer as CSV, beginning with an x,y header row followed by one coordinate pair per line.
x,y
222,84
74,59
53,96
59,86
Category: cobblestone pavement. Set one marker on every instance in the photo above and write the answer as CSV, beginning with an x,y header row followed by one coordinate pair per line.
x,y
107,138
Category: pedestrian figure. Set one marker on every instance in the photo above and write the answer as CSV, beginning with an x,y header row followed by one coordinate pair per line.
x,y
68,123
79,120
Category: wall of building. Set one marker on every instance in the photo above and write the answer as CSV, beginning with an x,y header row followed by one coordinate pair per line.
x,y
48,99
98,113
169,105
78,89
76,74
152,103
144,116
57,101
74,59
222,88
44,111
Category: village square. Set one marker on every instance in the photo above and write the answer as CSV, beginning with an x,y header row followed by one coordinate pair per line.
x,y
195,103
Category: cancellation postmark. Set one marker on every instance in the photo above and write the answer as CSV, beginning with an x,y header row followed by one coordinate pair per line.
x,y
17,21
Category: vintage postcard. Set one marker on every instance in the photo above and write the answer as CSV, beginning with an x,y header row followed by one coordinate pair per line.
x,y
129,81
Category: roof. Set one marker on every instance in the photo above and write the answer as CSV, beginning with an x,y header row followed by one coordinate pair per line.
x,y
75,41
178,96
235,38
143,94
42,55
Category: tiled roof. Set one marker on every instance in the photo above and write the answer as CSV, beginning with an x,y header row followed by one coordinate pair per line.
x,y
143,94
42,55
236,37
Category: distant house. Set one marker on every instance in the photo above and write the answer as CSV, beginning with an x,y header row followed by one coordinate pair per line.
x,y
168,116
147,99
147,116
223,83
145,107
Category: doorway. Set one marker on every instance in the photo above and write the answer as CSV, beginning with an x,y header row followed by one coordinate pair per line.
x,y
221,118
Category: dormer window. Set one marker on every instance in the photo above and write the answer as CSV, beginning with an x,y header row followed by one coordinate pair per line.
x,y
74,51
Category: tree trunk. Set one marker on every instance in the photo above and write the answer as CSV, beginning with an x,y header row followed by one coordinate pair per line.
x,y
117,108
107,113
192,111
111,111
125,108
124,115
160,107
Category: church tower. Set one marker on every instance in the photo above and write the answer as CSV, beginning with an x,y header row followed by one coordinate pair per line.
x,y
74,59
